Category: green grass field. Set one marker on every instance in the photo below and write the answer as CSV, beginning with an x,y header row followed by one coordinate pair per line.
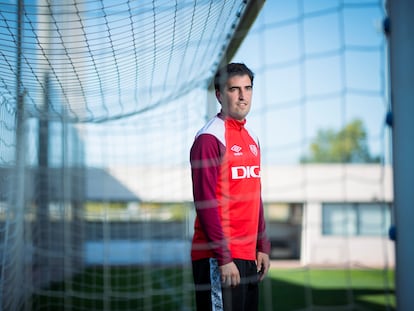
x,y
156,289
357,289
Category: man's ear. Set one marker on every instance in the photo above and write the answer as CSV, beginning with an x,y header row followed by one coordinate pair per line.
x,y
218,96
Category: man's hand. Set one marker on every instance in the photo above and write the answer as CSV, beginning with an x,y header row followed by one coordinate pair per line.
x,y
230,275
263,265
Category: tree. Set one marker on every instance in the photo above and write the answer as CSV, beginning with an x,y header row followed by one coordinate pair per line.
x,y
348,145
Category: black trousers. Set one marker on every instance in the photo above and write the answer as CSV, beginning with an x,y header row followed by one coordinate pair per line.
x,y
212,296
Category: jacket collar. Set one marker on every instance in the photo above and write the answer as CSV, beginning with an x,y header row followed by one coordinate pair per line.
x,y
232,123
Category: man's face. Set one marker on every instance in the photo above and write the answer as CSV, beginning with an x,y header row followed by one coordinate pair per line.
x,y
235,97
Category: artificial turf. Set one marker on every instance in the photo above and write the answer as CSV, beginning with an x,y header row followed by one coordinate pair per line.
x,y
160,288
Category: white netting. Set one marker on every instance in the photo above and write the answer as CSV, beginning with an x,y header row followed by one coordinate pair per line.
x,y
110,59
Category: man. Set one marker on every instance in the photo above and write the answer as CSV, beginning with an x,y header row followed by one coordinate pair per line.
x,y
230,247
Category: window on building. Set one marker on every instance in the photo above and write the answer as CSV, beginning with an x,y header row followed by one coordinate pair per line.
x,y
356,219
284,212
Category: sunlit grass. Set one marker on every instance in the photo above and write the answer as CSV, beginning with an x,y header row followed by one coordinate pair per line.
x,y
351,289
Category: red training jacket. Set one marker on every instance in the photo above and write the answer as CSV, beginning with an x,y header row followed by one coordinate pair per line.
x,y
225,167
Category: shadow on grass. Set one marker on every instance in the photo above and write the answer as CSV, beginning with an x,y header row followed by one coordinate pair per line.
x,y
119,289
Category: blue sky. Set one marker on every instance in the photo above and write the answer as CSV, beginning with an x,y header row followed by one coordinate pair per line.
x,y
318,65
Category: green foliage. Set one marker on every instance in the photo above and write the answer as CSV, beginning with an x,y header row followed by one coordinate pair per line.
x,y
100,206
154,211
348,145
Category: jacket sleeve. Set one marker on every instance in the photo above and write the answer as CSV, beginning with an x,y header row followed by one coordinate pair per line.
x,y
263,243
205,158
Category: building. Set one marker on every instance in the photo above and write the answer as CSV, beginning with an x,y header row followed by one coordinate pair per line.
x,y
320,214
316,214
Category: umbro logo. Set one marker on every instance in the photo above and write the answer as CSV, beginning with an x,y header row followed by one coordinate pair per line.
x,y
236,149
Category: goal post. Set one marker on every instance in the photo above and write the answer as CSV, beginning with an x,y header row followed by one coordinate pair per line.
x,y
401,51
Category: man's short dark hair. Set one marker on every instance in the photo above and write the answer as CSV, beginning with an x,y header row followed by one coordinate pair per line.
x,y
230,70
